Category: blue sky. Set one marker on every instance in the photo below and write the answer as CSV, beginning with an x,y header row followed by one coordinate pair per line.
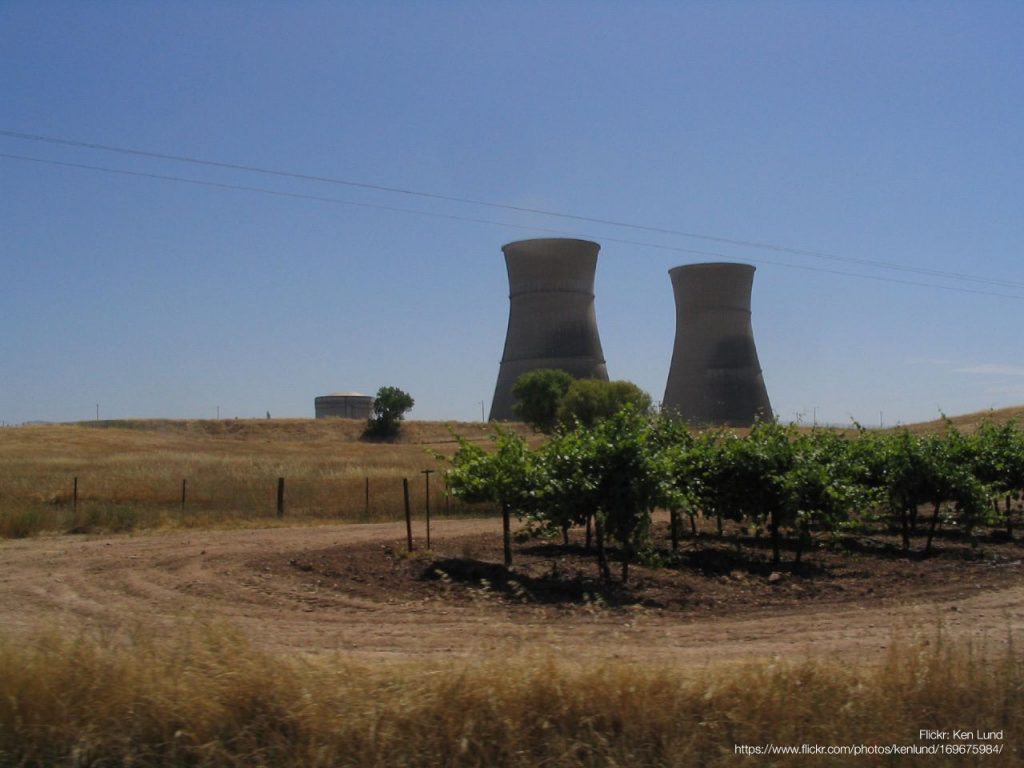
x,y
883,132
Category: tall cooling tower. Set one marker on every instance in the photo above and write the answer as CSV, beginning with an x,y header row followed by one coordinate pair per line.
x,y
715,378
551,319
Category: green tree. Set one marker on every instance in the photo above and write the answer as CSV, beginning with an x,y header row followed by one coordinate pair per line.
x,y
953,461
616,471
538,394
999,462
507,476
910,471
389,408
780,478
822,486
753,470
569,495
898,467
702,473
683,455
588,401
634,475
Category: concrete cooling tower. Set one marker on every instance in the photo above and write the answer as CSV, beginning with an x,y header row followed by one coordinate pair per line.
x,y
551,319
715,378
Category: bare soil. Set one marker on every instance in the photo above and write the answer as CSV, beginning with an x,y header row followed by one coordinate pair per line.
x,y
354,588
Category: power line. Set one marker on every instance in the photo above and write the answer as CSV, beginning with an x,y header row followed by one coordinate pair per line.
x,y
490,222
519,209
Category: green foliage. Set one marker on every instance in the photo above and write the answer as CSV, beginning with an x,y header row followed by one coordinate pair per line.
x,y
538,395
999,456
570,494
588,401
617,471
754,480
955,479
826,480
389,408
549,398
509,476
632,475
952,474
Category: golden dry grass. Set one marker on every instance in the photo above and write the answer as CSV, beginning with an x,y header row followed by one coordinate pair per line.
x,y
207,698
969,422
130,473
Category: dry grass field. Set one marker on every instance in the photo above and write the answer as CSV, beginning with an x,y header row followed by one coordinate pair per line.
x,y
133,632
969,422
130,473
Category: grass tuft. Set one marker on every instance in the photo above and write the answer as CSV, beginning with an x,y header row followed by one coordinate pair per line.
x,y
19,522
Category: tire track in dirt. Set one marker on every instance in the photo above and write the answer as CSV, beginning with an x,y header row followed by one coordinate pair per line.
x,y
165,579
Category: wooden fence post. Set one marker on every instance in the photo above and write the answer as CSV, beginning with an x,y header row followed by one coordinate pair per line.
x,y
74,496
428,473
447,497
184,483
280,497
408,512
366,506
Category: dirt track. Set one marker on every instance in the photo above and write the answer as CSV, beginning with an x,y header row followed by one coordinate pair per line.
x,y
168,578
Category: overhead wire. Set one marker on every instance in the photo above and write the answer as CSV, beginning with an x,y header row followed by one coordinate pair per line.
x,y
491,222
871,263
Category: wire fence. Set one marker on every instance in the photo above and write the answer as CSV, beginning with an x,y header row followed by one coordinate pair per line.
x,y
93,502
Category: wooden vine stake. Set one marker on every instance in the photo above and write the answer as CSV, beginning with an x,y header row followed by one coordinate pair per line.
x,y
408,512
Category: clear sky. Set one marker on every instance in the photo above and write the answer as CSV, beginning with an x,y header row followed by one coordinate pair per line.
x,y
885,132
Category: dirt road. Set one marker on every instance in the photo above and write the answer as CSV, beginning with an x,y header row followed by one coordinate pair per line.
x,y
166,579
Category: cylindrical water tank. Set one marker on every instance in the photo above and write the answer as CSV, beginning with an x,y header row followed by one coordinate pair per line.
x,y
715,377
551,319
343,405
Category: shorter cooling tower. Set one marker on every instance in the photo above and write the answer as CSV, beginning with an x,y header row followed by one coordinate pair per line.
x,y
551,319
343,405
715,378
